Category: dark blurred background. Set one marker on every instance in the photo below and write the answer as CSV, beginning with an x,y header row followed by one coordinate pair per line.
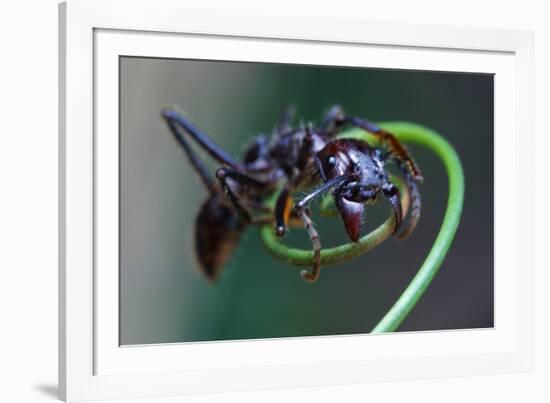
x,y
164,297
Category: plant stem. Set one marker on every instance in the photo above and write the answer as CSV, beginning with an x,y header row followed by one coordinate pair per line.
x,y
408,133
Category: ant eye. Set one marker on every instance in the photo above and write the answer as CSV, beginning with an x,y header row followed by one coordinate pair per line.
x,y
331,162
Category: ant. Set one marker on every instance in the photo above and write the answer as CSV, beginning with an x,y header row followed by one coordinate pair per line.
x,y
294,159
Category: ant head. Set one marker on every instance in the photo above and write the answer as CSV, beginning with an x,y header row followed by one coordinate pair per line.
x,y
352,159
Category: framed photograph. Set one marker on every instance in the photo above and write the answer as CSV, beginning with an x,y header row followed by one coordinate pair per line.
x,y
250,204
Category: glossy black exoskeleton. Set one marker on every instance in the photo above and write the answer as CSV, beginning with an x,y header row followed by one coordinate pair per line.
x,y
293,159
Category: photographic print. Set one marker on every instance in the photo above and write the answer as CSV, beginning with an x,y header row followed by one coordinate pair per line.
x,y
262,200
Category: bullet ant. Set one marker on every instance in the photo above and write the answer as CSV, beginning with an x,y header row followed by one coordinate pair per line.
x,y
294,159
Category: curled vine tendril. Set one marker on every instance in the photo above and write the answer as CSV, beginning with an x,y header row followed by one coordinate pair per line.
x,y
408,133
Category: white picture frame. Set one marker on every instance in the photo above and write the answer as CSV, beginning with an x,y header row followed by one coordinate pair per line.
x,y
93,366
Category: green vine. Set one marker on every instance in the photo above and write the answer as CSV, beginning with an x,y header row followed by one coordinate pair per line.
x,y
413,134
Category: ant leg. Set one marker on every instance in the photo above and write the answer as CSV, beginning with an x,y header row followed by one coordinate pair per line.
x,y
392,193
306,149
284,124
197,164
226,173
283,207
330,124
316,243
208,181
177,122
399,152
416,204
301,208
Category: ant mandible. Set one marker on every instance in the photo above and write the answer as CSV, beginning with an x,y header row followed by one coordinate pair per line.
x,y
294,159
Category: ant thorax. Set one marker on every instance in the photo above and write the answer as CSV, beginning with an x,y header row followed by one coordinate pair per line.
x,y
294,155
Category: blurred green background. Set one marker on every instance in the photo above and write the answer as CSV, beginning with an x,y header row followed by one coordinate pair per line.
x,y
163,296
